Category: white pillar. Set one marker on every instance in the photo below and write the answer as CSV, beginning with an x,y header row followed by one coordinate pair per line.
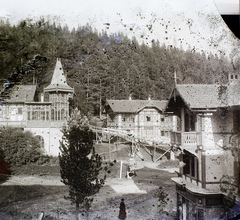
x,y
120,169
119,121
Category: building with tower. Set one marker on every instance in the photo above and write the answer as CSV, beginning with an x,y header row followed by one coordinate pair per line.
x,y
45,117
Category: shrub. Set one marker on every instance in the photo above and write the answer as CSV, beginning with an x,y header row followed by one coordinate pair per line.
x,y
19,147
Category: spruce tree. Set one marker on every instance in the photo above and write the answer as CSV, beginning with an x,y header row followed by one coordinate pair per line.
x,y
80,166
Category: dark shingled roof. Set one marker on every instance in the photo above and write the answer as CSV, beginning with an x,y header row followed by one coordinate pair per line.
x,y
22,93
209,96
132,106
199,96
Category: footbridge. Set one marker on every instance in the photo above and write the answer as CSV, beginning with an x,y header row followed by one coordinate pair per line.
x,y
137,143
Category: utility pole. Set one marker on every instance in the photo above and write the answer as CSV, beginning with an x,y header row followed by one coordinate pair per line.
x,y
100,101
87,84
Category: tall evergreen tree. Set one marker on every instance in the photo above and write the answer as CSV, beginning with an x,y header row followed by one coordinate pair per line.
x,y
80,166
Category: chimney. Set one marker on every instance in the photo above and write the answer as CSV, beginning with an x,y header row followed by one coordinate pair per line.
x,y
130,97
233,77
42,97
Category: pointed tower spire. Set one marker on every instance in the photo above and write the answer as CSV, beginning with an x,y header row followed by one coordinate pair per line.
x,y
175,78
58,82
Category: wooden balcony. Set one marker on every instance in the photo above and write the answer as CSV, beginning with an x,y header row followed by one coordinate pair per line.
x,y
185,139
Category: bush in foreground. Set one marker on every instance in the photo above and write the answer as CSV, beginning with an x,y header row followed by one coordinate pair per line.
x,y
19,147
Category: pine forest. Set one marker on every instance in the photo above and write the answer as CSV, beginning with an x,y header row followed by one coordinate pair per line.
x,y
100,66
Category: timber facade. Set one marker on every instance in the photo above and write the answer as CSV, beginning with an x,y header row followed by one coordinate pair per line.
x,y
145,119
209,173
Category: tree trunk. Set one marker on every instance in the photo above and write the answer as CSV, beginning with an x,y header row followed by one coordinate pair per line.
x,y
77,212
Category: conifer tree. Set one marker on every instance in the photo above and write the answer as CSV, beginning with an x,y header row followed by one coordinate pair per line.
x,y
80,166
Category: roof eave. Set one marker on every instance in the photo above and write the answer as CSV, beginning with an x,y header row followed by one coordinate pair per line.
x,y
70,90
204,110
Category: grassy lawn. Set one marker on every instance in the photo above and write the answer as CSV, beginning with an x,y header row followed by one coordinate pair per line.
x,y
27,201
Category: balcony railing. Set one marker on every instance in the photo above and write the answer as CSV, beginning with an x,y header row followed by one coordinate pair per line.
x,y
185,139
18,124
189,139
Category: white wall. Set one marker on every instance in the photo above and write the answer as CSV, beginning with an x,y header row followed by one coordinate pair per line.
x,y
218,164
216,130
51,137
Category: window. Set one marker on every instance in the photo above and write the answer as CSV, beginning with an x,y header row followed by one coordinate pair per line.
x,y
148,118
52,114
124,119
190,120
62,114
162,119
20,111
47,115
236,121
42,115
200,214
41,140
58,115
34,115
191,164
29,115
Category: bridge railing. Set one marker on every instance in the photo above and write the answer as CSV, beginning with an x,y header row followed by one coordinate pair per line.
x,y
129,136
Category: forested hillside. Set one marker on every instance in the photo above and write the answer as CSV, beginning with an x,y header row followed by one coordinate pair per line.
x,y
99,66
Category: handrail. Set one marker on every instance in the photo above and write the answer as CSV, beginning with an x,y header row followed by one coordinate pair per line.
x,y
127,135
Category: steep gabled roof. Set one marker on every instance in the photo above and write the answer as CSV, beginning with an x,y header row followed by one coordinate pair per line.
x,y
22,93
202,96
59,81
134,106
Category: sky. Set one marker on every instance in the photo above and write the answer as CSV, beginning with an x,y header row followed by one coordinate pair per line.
x,y
182,23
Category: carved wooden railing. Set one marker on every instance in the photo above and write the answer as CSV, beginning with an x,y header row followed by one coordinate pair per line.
x,y
185,139
189,139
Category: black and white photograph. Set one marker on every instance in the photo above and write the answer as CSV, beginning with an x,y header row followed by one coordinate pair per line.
x,y
116,109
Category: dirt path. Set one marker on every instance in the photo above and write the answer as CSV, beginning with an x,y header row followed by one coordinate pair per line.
x,y
33,180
